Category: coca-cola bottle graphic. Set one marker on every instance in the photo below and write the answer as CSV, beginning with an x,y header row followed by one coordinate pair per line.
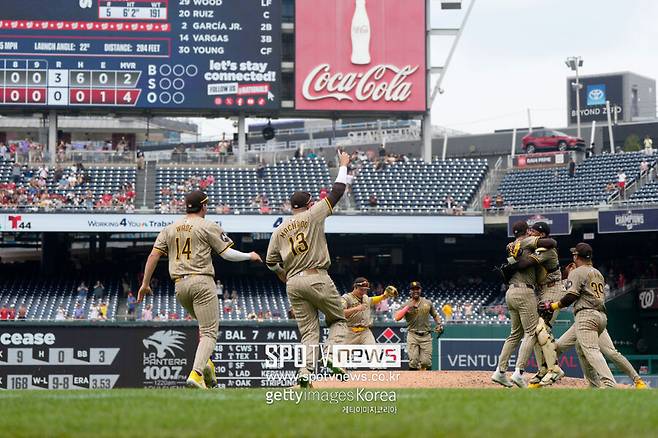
x,y
360,34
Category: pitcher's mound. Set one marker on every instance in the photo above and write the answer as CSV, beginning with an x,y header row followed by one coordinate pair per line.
x,y
429,379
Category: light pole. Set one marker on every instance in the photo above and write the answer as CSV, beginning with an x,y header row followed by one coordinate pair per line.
x,y
573,62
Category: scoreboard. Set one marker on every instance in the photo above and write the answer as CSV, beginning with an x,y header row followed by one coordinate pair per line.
x,y
197,55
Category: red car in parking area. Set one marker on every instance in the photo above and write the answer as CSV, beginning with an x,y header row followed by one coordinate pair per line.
x,y
549,140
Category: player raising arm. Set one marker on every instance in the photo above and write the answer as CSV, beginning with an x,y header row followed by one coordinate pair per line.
x,y
298,254
189,243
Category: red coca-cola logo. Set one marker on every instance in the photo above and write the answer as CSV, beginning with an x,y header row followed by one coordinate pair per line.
x,y
356,55
321,83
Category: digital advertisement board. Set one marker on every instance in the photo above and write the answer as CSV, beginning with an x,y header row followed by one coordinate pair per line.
x,y
358,55
594,92
204,55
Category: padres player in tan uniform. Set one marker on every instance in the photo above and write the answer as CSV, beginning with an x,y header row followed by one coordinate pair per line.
x,y
357,306
298,254
189,243
585,291
522,306
419,337
550,287
568,340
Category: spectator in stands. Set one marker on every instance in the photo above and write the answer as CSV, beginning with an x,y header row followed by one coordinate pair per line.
x,y
251,315
260,170
98,290
312,155
621,183
500,202
22,312
162,316
16,174
61,314
372,201
447,311
286,207
382,310
382,152
610,187
228,305
291,313
132,305
644,169
268,315
590,150
449,203
234,296
323,193
82,291
147,313
4,313
486,202
94,312
220,289
139,155
173,316
103,309
648,145
572,168
79,312
4,152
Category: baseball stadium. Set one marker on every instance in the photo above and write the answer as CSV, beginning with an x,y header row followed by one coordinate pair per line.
x,y
273,218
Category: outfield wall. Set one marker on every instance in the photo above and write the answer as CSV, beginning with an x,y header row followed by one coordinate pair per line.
x,y
81,355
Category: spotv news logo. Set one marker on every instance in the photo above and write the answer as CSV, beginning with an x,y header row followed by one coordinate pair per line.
x,y
344,356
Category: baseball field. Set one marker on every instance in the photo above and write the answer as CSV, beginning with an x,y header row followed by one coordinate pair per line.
x,y
452,412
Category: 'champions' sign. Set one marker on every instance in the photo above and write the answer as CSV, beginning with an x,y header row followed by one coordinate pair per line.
x,y
360,55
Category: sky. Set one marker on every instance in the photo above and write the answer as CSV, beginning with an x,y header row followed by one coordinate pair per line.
x,y
511,58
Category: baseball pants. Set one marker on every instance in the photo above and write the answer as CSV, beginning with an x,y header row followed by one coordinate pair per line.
x,y
568,340
522,305
419,350
552,294
308,294
590,324
364,337
198,295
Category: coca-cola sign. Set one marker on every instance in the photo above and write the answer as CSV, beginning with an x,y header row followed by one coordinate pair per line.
x,y
360,55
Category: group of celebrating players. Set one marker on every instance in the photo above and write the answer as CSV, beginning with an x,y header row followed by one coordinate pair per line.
x,y
533,266
298,255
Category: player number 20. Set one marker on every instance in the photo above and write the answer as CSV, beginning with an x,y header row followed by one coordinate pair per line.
x,y
298,244
186,250
597,288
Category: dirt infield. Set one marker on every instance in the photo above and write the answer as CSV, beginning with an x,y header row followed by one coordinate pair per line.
x,y
428,379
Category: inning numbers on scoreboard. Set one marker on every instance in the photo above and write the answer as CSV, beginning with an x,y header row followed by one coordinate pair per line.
x,y
132,10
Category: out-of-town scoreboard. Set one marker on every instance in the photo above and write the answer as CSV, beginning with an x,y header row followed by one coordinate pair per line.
x,y
203,55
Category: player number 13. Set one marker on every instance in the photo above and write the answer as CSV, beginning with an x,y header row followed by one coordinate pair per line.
x,y
298,244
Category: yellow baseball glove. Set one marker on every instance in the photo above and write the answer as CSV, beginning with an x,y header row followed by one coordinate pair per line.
x,y
390,292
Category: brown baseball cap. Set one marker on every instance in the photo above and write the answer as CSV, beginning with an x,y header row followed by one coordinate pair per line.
x,y
300,199
195,200
415,285
582,250
519,228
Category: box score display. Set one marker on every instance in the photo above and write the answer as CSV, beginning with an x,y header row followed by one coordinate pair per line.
x,y
140,54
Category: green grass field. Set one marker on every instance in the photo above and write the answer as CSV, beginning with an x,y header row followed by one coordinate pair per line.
x,y
420,413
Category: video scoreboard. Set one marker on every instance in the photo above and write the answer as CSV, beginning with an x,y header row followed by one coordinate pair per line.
x,y
204,55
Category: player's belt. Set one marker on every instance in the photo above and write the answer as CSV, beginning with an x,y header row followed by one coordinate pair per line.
x,y
552,283
522,285
308,272
589,308
183,277
416,332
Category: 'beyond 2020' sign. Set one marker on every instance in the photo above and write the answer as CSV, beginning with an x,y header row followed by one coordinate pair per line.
x,y
360,55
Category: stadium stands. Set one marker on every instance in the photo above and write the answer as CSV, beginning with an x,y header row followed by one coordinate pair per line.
x,y
418,187
44,297
554,188
242,190
71,189
647,194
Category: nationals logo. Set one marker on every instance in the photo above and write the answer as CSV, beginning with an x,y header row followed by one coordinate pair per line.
x,y
360,55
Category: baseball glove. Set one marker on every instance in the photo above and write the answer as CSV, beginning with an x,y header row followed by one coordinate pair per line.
x,y
544,310
567,269
438,329
390,292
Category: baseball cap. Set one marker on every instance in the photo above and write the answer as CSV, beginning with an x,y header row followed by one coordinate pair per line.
x,y
300,199
361,282
415,285
583,250
542,227
519,228
195,200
